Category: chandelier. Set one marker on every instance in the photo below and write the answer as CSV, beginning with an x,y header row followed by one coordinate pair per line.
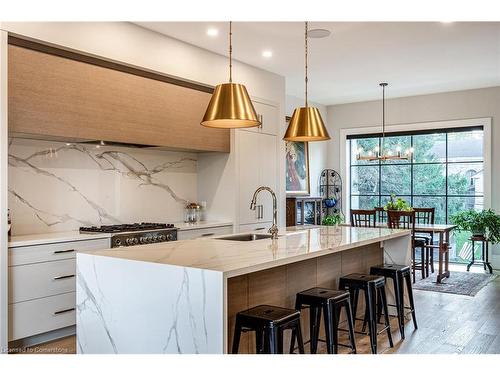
x,y
380,153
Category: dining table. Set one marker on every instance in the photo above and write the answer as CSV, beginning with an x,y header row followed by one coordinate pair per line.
x,y
443,231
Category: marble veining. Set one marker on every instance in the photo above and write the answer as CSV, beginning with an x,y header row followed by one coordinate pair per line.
x,y
168,314
169,297
56,186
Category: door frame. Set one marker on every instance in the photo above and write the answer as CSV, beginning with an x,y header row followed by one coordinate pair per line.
x,y
4,144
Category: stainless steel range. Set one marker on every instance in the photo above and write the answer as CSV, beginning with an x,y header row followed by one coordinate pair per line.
x,y
135,234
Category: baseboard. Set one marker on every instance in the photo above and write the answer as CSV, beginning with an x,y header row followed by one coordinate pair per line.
x,y
42,338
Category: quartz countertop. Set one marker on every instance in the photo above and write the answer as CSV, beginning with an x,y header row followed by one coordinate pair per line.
x,y
68,236
202,224
54,237
234,258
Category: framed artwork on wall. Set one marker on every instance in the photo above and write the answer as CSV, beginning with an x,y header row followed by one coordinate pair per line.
x,y
297,167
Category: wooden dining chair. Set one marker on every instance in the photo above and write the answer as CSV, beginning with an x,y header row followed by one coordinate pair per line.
x,y
426,215
406,220
381,214
363,218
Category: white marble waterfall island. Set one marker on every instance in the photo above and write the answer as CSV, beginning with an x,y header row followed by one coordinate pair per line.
x,y
182,297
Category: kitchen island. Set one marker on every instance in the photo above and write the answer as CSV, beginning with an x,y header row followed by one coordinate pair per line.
x,y
182,297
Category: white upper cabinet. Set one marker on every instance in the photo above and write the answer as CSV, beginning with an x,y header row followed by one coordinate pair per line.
x,y
269,116
256,167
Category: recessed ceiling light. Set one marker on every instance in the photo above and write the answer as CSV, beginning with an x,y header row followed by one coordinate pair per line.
x,y
319,33
212,31
267,53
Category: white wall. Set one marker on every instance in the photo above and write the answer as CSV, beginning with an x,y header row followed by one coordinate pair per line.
x,y
455,105
317,150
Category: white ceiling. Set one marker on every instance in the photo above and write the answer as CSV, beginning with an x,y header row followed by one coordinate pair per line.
x,y
414,57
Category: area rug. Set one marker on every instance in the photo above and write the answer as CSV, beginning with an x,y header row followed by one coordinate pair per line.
x,y
464,283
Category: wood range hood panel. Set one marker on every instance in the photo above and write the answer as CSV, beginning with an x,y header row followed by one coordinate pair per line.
x,y
50,95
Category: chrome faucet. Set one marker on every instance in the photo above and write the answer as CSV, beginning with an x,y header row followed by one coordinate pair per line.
x,y
253,205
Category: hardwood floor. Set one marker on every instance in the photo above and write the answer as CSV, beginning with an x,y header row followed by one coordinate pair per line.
x,y
447,323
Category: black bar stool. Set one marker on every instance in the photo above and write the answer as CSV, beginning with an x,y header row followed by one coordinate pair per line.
x,y
268,322
374,288
399,275
331,302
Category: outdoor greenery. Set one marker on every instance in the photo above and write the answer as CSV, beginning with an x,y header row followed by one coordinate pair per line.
x,y
445,173
485,222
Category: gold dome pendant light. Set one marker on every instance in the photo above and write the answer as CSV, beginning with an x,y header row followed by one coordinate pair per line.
x,y
306,124
230,106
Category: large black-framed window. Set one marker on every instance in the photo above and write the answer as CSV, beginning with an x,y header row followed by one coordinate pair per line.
x,y
445,172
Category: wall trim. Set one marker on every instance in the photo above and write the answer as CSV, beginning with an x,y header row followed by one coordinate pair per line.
x,y
104,63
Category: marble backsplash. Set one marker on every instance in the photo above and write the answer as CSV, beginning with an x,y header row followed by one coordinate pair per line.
x,y
56,186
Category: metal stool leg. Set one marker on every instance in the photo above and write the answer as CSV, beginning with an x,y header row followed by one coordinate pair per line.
x,y
383,302
236,337
371,301
400,302
298,330
350,325
410,297
327,313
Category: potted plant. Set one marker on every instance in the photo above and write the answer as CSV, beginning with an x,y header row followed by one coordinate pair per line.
x,y
334,219
397,204
484,223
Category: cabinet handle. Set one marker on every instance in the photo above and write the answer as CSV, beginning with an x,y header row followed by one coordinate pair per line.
x,y
64,311
64,251
261,119
207,234
261,211
260,228
63,277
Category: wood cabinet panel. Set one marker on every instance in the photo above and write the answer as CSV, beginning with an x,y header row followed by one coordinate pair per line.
x,y
278,286
55,96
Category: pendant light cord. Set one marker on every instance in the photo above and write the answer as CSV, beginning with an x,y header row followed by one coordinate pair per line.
x,y
306,23
230,51
383,118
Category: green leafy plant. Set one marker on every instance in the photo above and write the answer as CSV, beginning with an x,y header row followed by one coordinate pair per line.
x,y
397,204
484,223
334,219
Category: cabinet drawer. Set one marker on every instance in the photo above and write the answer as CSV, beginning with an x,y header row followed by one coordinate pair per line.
x,y
39,280
41,315
205,232
55,251
254,227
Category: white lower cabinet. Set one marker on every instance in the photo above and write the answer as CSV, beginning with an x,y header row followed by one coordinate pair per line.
x,y
190,234
31,281
42,284
41,315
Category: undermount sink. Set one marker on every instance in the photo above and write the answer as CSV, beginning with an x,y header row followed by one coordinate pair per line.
x,y
245,237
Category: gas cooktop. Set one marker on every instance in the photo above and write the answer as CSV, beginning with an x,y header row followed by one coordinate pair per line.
x,y
121,228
